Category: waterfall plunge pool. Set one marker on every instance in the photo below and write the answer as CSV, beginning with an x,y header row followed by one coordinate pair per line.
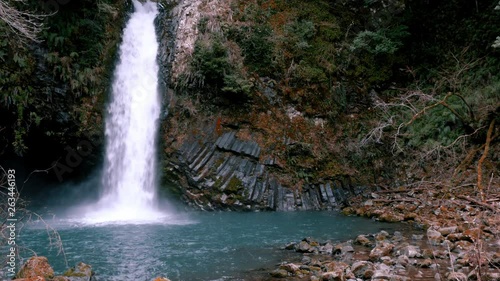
x,y
200,246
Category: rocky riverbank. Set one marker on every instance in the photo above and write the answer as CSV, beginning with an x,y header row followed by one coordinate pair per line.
x,y
456,238
38,269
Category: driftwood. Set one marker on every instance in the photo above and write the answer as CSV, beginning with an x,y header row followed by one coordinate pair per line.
x,y
477,202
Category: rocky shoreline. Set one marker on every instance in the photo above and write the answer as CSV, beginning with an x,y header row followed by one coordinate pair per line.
x,y
37,268
456,238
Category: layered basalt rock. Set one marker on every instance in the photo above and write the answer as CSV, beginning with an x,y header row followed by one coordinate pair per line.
x,y
225,172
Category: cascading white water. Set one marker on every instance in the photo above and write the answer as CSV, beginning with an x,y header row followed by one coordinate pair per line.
x,y
129,176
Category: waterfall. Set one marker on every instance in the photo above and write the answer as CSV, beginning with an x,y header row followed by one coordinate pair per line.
x,y
129,177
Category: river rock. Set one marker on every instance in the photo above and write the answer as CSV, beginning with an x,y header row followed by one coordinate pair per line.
x,y
37,278
363,269
387,260
35,267
417,236
81,272
391,217
447,230
382,249
332,276
60,278
403,260
335,266
290,246
409,251
493,258
434,236
304,247
327,248
461,246
427,254
425,263
279,273
453,237
456,276
382,235
362,240
290,267
382,272
493,276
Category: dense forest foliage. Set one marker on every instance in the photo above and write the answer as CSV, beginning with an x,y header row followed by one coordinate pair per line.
x,y
53,85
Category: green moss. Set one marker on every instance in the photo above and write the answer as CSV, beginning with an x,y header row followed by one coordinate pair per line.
x,y
218,182
72,273
234,185
219,162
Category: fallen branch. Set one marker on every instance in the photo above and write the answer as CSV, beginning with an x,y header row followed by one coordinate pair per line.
x,y
400,190
396,200
477,202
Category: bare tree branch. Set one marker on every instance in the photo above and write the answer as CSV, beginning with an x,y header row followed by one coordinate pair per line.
x,y
25,24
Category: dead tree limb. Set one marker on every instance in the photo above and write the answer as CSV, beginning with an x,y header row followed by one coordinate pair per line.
x,y
472,200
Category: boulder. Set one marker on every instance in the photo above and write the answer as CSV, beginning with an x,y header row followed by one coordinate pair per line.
x,y
304,247
36,267
363,269
327,248
453,237
417,236
382,272
456,276
334,266
447,230
409,251
493,258
382,249
290,246
434,236
332,276
290,267
382,235
362,240
391,217
425,263
80,272
403,260
61,278
37,278
427,254
279,273
493,276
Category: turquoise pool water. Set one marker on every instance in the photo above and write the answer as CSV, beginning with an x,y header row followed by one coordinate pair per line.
x,y
195,246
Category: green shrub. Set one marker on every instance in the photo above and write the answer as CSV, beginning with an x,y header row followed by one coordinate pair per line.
x,y
215,73
210,63
255,42
382,41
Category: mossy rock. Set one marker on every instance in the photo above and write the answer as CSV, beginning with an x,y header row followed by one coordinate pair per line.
x,y
234,185
81,271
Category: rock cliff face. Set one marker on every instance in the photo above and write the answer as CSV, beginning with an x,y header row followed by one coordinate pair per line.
x,y
225,172
213,168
